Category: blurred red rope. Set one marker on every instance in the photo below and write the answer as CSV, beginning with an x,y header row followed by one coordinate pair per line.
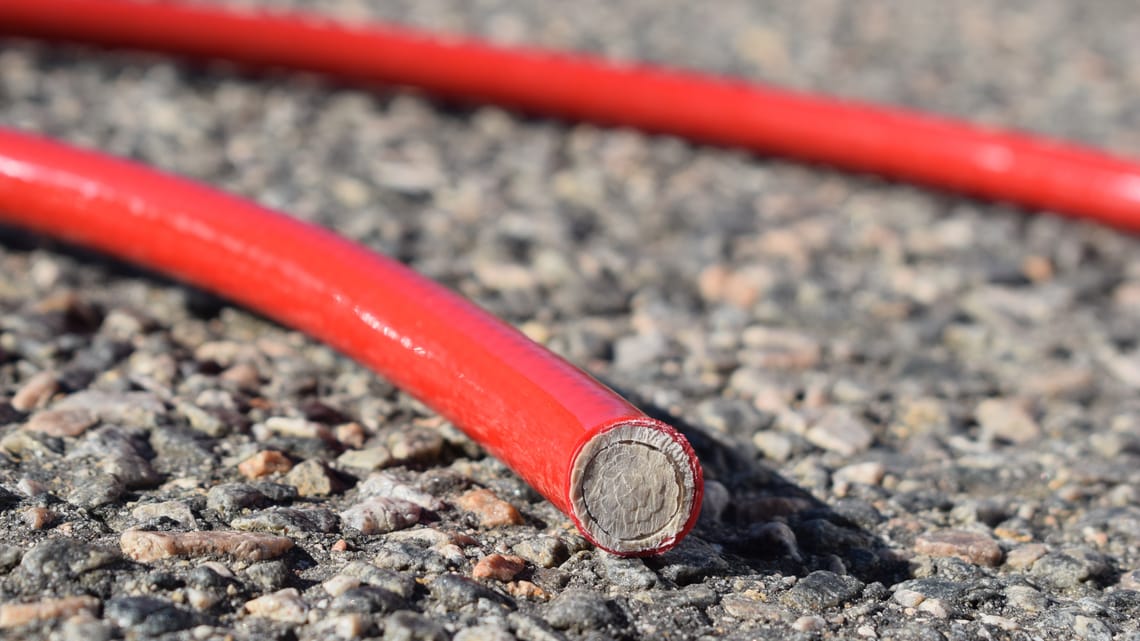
x,y
1030,171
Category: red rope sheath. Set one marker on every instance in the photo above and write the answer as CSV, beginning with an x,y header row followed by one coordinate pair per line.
x,y
525,405
1030,171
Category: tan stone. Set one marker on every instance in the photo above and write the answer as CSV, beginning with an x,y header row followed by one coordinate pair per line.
x,y
1024,556
526,590
284,605
500,567
35,392
61,422
144,546
265,463
968,546
490,509
38,518
350,434
17,614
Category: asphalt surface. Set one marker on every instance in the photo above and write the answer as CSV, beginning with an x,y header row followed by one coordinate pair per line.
x,y
918,412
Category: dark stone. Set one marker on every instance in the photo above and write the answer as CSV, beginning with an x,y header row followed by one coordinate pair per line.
x,y
160,580
821,590
63,560
690,561
276,492
368,599
234,497
579,610
823,536
455,591
859,512
205,578
911,632
144,615
530,628
410,626
289,521
269,576
1061,570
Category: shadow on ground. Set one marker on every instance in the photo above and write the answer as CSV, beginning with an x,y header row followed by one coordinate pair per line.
x,y
767,524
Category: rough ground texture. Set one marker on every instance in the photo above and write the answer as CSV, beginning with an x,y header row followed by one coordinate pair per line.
x,y
918,413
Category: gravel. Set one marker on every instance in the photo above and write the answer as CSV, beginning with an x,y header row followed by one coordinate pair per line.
x,y
917,412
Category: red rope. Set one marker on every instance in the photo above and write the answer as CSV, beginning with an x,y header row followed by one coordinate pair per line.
x,y
525,405
1033,172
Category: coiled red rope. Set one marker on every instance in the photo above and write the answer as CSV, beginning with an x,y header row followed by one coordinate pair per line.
x,y
630,483
1029,171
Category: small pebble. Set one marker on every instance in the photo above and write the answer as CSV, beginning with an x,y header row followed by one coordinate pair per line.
x,y
490,510
351,435
32,488
289,521
498,567
143,546
370,458
234,497
751,606
579,611
627,572
38,518
340,584
1000,622
294,428
243,375
809,623
312,478
716,500
484,632
1006,420
840,431
1026,598
542,551
773,445
380,515
177,511
134,409
148,615
388,486
908,598
61,422
774,348
1023,556
969,546
265,463
412,626
284,605
936,608
455,592
351,625
17,614
35,392
201,599
526,590
821,590
367,599
1130,580
418,444
870,473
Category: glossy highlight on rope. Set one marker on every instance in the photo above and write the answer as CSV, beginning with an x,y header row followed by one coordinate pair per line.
x,y
1026,170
